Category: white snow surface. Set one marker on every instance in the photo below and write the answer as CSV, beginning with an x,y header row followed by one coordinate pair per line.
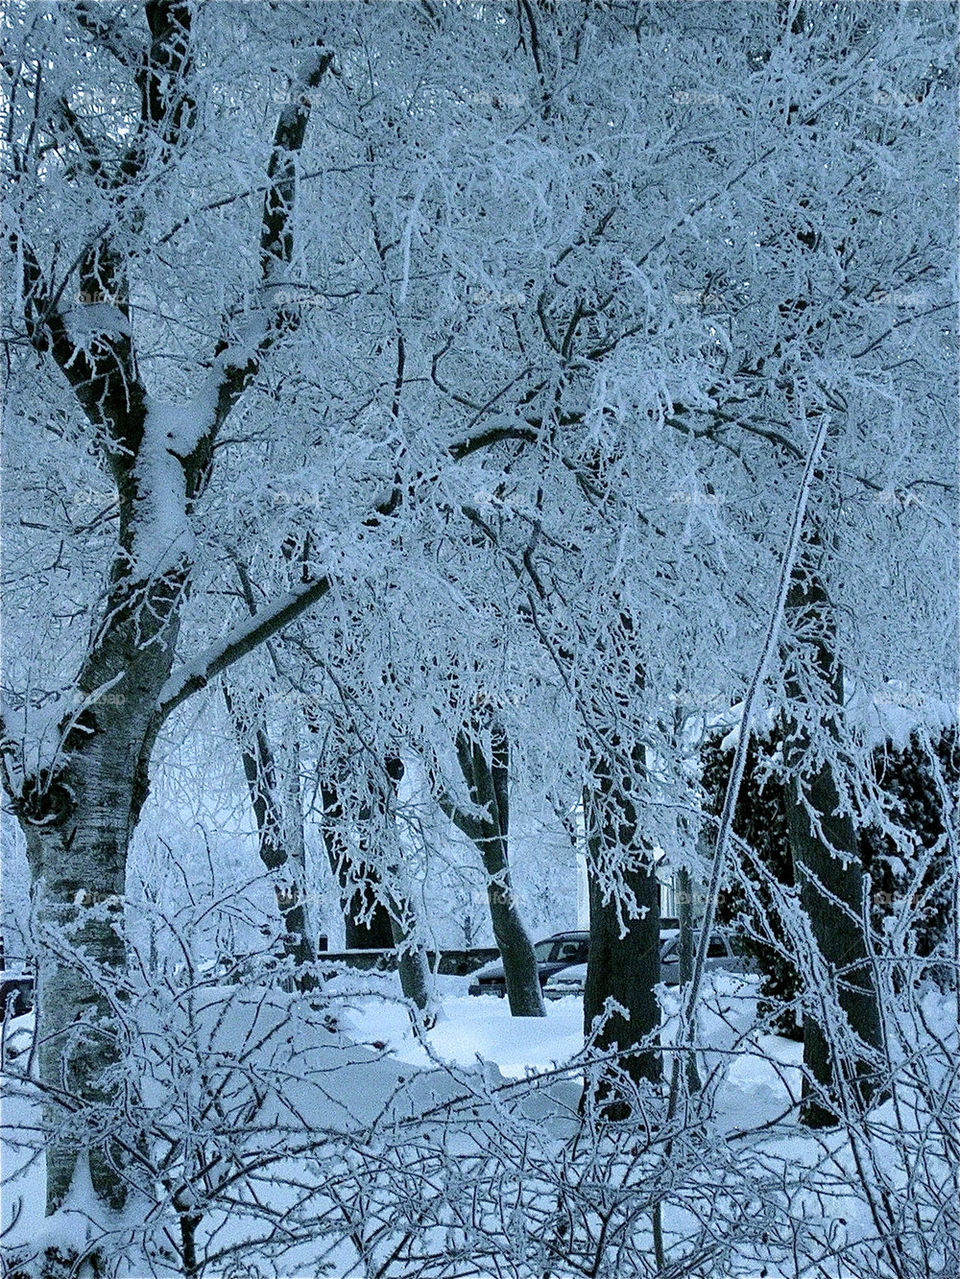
x,y
161,527
888,714
95,320
367,1077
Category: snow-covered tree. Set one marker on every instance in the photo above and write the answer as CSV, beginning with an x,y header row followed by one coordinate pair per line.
x,y
499,375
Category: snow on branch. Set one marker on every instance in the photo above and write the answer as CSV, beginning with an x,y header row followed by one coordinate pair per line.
x,y
238,642
236,362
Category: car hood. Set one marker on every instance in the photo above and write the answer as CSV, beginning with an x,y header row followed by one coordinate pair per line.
x,y
576,974
493,969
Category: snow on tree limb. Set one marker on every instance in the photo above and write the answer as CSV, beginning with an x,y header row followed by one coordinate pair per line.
x,y
238,642
237,364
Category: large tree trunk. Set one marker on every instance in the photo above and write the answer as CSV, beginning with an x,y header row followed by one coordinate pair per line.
x,y
827,865
80,809
488,786
832,897
78,817
412,965
623,965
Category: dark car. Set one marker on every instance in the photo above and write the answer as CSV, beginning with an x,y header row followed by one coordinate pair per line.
x,y
552,954
16,993
722,955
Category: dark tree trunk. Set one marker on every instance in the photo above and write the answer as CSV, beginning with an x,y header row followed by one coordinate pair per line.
x,y
832,897
487,781
687,941
412,965
366,919
372,911
687,953
828,868
280,837
415,979
622,967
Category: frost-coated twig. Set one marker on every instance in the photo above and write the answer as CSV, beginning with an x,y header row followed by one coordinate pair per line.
x,y
689,1005
743,744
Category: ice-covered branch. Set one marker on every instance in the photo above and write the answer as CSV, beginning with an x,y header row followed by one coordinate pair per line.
x,y
236,363
724,833
238,642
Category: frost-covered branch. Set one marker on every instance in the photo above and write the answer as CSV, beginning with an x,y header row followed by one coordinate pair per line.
x,y
238,642
237,362
768,648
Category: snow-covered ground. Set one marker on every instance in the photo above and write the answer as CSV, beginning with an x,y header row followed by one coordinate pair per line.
x,y
760,1071
388,1116
468,1028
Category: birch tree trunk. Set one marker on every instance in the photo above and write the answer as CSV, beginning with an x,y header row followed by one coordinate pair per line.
x,y
80,808
78,818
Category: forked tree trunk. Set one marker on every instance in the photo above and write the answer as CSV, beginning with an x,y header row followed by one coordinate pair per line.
x,y
80,810
624,967
488,786
827,865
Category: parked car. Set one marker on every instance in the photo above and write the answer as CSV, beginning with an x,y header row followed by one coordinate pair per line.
x,y
553,954
16,993
720,955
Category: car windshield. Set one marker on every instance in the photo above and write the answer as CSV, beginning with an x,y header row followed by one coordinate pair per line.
x,y
543,950
670,948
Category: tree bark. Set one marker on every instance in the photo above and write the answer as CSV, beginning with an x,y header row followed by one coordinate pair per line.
x,y
78,817
412,965
623,965
415,981
280,838
373,910
827,865
366,919
80,809
487,780
687,949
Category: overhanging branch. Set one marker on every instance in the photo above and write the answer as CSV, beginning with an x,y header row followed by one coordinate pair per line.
x,y
241,640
